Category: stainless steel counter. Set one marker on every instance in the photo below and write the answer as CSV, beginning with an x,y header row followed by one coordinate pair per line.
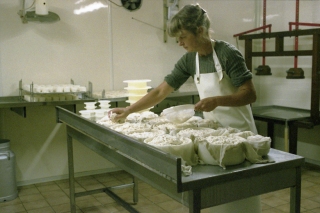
x,y
207,186
286,116
280,113
18,105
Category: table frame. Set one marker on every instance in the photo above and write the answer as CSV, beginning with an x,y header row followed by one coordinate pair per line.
x,y
290,122
208,185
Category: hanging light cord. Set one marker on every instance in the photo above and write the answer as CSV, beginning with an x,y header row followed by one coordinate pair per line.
x,y
147,23
115,4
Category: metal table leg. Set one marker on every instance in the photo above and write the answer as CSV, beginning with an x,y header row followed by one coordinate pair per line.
x,y
270,133
71,174
135,190
293,138
295,193
195,201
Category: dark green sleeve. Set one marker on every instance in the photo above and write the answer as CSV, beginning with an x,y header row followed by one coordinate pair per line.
x,y
234,64
183,69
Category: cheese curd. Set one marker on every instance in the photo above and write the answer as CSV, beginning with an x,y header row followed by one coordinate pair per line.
x,y
196,141
221,150
141,136
178,146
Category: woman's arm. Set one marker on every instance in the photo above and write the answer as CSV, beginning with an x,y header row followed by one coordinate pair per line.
x,y
154,97
246,94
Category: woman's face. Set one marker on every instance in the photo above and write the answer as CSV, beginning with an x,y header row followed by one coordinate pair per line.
x,y
188,41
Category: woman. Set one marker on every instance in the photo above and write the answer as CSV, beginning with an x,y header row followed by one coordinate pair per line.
x,y
223,81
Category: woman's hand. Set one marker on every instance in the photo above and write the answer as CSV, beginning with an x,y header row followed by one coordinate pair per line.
x,y
245,94
118,114
206,104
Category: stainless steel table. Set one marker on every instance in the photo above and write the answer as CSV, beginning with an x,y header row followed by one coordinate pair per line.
x,y
207,186
286,116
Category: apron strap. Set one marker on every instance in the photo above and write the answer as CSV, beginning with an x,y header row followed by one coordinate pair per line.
x,y
216,63
197,69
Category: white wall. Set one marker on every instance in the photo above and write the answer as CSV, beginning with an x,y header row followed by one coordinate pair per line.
x,y
109,45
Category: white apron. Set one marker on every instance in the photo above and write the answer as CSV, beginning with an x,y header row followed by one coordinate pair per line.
x,y
219,84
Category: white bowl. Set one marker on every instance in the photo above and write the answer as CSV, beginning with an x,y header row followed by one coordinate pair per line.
x,y
137,83
179,114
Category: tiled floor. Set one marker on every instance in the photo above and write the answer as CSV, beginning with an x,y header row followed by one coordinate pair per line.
x,y
52,197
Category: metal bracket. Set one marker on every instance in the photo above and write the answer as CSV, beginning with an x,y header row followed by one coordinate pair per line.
x,y
20,111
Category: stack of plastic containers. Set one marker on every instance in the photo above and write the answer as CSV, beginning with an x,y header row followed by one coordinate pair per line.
x,y
136,89
92,113
104,109
89,111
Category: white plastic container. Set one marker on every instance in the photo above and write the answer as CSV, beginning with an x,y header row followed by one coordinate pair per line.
x,y
89,114
105,106
8,186
137,91
102,102
137,83
135,97
90,105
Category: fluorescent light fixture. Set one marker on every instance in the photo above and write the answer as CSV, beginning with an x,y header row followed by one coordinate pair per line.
x,y
89,8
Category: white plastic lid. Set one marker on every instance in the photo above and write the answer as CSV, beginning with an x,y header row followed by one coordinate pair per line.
x,y
137,81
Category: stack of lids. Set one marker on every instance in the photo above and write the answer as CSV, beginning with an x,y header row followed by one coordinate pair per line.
x,y
136,89
92,113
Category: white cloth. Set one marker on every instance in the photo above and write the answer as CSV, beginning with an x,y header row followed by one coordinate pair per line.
x,y
219,84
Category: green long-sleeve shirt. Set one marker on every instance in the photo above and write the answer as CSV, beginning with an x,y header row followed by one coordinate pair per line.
x,y
229,57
